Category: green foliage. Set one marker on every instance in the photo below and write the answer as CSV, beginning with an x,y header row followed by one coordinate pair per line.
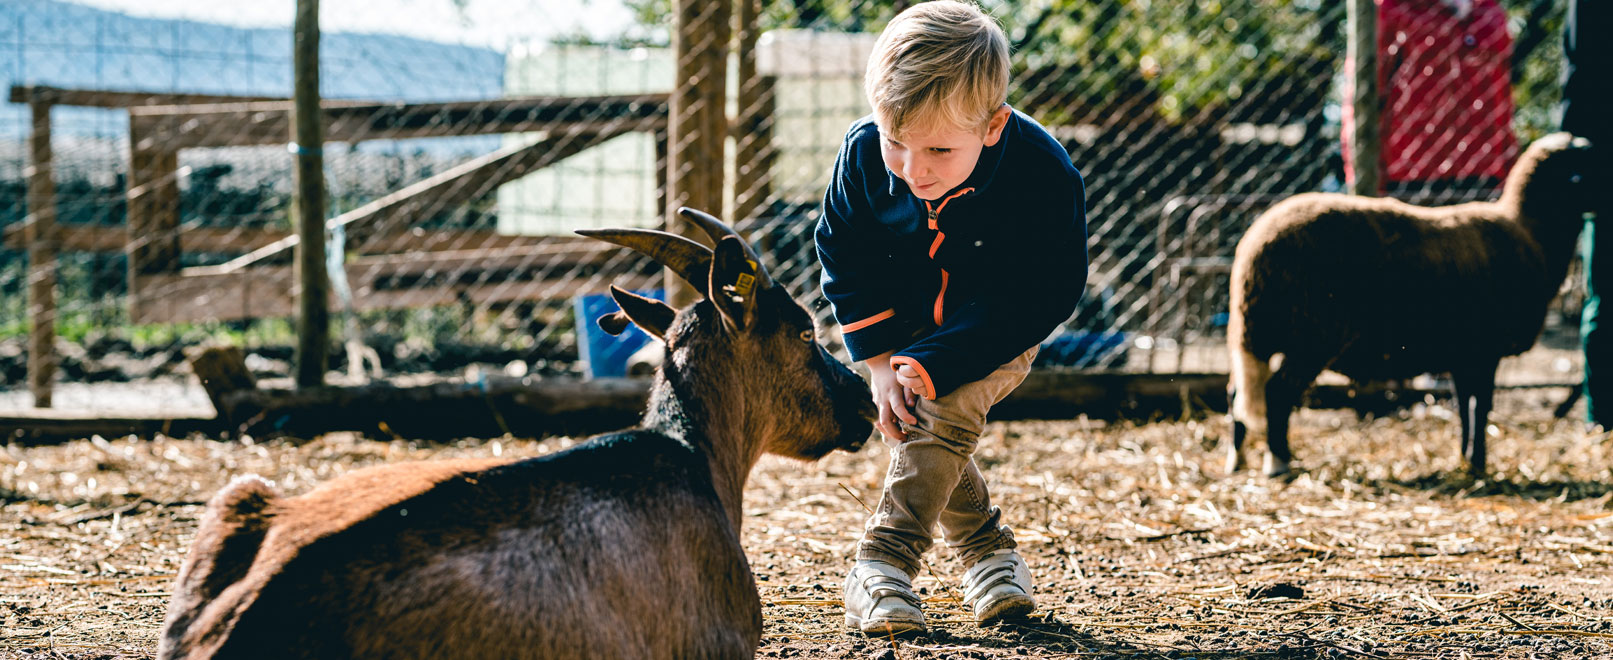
x,y
1183,60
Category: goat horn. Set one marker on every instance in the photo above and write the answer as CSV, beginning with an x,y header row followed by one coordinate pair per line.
x,y
716,229
690,260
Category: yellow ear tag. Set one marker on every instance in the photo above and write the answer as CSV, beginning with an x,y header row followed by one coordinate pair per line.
x,y
746,281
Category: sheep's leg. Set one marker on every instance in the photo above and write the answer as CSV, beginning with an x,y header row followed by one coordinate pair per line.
x,y
1240,433
1247,391
1475,394
1288,383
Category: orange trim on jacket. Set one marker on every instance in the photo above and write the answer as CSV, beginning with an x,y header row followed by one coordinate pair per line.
x,y
925,375
934,214
858,325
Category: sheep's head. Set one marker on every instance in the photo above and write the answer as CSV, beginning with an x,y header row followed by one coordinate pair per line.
x,y
747,340
1558,174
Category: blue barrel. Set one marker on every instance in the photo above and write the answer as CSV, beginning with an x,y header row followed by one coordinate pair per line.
x,y
604,355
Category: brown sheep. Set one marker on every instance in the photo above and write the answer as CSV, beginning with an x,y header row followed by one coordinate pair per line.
x,y
626,546
1375,288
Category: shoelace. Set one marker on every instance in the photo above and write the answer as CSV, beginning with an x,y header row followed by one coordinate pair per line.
x,y
991,577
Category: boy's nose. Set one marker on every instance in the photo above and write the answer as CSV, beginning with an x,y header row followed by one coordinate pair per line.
x,y
913,169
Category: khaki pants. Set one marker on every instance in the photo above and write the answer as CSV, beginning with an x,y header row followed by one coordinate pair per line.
x,y
933,478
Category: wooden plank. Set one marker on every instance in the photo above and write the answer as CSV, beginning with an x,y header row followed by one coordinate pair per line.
x,y
455,186
41,239
153,210
47,427
568,255
444,411
268,123
1055,393
107,98
236,240
266,291
531,408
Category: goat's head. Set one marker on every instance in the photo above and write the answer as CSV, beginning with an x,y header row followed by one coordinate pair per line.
x,y
1563,171
749,326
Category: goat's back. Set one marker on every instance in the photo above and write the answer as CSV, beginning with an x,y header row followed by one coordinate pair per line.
x,y
616,548
1386,288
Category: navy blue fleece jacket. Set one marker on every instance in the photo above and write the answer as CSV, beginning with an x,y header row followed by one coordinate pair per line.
x,y
961,285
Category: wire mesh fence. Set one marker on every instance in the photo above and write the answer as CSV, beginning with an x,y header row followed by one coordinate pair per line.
x,y
466,140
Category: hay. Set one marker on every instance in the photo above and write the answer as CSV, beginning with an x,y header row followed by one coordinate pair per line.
x,y
1377,548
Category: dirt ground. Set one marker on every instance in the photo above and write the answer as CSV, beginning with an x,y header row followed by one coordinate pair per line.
x,y
1141,545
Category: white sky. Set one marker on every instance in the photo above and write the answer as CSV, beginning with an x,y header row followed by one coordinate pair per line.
x,y
493,23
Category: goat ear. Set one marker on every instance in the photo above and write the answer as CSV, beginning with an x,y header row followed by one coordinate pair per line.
x,y
614,323
735,281
652,315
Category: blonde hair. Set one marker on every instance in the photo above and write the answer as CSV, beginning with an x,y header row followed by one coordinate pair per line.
x,y
939,65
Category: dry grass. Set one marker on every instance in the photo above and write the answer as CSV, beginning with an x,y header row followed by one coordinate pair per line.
x,y
1378,548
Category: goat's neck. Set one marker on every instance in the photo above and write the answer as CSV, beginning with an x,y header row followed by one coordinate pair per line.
x,y
720,428
1549,224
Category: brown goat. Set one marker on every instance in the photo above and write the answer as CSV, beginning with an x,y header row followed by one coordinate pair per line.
x,y
626,546
1377,289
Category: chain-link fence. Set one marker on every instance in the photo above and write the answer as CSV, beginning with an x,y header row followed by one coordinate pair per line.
x,y
466,139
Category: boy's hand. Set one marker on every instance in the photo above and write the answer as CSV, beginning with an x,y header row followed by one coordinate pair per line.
x,y
909,378
891,397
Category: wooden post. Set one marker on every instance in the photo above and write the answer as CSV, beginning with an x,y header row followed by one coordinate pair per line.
x,y
663,162
699,119
40,234
313,328
1363,53
753,127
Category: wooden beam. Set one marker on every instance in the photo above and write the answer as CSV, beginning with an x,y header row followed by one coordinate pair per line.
x,y
268,123
564,256
48,427
457,185
40,235
237,240
107,98
266,291
532,408
153,210
443,411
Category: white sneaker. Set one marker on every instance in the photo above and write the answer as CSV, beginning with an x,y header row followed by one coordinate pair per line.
x,y
999,588
880,600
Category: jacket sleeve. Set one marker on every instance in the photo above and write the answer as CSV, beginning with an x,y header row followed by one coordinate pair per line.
x,y
856,265
1033,291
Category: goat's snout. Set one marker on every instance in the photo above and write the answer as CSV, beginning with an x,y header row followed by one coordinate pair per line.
x,y
856,431
867,411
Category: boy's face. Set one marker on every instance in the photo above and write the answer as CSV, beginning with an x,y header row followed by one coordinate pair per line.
x,y
934,161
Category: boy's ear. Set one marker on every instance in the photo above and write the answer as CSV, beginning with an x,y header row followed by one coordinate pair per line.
x,y
652,315
734,284
995,125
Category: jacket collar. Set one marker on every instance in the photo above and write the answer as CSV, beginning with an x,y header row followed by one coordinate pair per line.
x,y
985,169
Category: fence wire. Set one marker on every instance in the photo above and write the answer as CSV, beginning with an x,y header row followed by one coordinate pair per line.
x,y
468,139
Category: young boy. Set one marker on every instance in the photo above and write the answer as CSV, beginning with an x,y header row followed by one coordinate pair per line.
x,y
953,241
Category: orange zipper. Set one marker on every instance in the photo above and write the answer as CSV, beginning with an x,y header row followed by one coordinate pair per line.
x,y
934,213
